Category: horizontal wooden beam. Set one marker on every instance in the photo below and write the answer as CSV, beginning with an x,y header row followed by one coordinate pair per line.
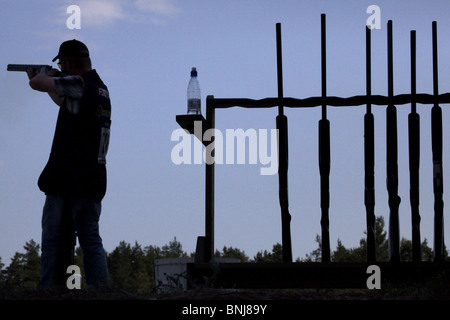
x,y
400,99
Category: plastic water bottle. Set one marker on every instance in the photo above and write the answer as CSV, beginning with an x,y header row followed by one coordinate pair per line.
x,y
193,94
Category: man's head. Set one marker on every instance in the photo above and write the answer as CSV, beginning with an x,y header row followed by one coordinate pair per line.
x,y
73,57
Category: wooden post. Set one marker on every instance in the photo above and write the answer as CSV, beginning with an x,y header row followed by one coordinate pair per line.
x,y
369,159
283,160
324,154
414,156
392,159
436,136
209,189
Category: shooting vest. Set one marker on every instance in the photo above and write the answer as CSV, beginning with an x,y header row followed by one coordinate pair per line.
x,y
76,166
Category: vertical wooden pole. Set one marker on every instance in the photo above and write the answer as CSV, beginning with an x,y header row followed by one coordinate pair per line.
x,y
414,156
392,159
324,154
283,160
369,158
209,189
436,135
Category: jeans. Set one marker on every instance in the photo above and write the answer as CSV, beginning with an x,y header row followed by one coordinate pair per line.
x,y
61,217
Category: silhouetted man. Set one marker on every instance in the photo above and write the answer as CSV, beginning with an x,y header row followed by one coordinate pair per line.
x,y
74,179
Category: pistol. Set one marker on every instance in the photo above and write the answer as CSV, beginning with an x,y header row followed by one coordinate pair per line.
x,y
38,68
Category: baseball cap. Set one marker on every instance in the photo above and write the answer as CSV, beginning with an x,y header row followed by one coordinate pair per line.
x,y
73,48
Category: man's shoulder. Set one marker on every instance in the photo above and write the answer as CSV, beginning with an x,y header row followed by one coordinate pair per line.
x,y
93,75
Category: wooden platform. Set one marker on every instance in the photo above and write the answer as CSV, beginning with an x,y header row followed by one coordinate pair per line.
x,y
313,275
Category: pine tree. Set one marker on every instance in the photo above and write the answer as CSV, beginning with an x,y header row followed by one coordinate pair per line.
x,y
24,270
119,264
275,256
315,255
2,275
173,250
230,252
140,276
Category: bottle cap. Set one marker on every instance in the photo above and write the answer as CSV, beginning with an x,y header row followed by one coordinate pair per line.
x,y
193,72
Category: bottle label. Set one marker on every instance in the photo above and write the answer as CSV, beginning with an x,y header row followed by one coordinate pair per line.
x,y
194,106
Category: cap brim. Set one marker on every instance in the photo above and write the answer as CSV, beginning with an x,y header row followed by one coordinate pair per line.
x,y
55,58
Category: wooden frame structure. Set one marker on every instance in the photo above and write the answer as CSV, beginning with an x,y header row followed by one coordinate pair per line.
x,y
326,274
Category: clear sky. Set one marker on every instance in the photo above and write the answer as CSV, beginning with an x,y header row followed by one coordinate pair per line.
x,y
144,51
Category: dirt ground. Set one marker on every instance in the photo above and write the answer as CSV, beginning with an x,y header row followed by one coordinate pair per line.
x,y
235,294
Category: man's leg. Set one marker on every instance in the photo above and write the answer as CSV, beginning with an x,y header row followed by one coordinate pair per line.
x,y
52,218
65,252
86,215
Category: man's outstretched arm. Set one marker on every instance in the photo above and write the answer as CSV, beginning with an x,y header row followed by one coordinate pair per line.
x,y
44,83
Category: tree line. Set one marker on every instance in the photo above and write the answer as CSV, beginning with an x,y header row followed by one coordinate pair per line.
x,y
132,267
